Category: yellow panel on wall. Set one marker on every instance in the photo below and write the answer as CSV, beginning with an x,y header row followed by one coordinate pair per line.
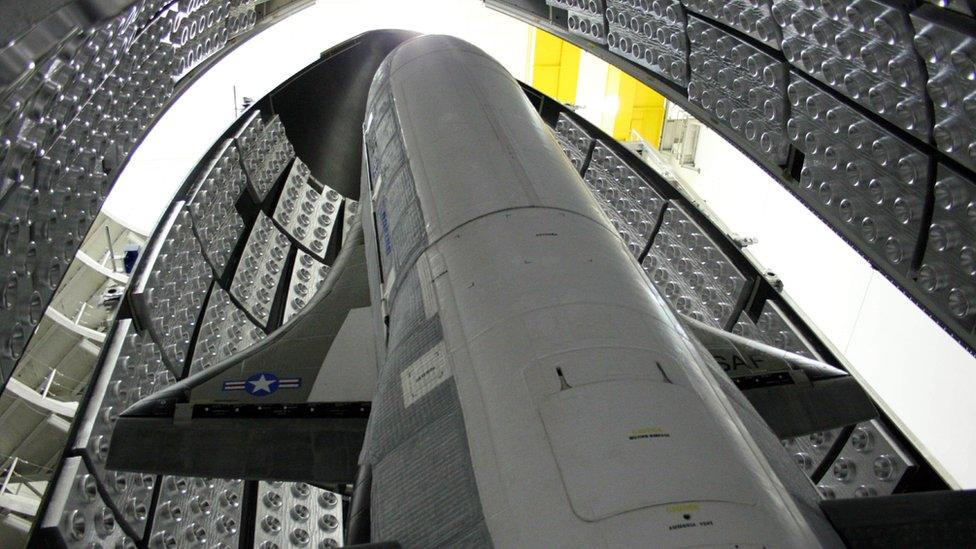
x,y
638,108
648,117
555,66
619,103
627,104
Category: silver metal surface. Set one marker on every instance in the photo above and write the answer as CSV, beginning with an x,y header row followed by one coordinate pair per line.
x,y
809,452
741,85
864,51
947,44
265,153
307,277
201,28
774,328
350,214
81,81
67,125
307,215
170,294
212,207
133,369
882,63
77,516
573,140
631,203
225,331
869,183
752,17
585,18
651,35
870,464
691,272
296,514
197,512
948,271
256,281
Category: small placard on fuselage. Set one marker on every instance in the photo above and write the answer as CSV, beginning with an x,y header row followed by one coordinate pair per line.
x,y
426,373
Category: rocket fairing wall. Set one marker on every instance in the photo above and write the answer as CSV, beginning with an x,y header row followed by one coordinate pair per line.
x,y
70,121
218,219
188,315
862,109
703,277
80,84
226,265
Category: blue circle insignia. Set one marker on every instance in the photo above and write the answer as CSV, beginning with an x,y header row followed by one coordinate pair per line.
x,y
262,384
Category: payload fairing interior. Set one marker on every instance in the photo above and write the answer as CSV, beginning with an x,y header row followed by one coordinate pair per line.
x,y
436,307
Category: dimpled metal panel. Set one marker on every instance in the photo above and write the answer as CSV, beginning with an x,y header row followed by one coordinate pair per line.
x,y
585,18
307,277
240,16
76,98
65,126
862,49
630,202
742,86
211,205
201,28
752,17
138,372
196,512
248,135
651,34
690,271
948,272
810,451
265,155
871,463
947,43
77,516
225,330
350,214
306,214
774,328
869,184
259,272
612,202
176,287
295,514
573,140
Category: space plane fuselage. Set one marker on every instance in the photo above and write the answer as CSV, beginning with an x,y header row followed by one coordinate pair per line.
x,y
534,389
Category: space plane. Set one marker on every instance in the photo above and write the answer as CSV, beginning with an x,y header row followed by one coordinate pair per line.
x,y
405,300
531,387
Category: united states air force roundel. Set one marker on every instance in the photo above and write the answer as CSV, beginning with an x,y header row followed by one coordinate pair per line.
x,y
263,384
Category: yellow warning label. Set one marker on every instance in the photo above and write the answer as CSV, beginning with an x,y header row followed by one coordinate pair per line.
x,y
648,432
682,508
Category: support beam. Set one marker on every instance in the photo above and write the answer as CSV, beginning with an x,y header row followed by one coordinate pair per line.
x,y
58,317
34,398
101,269
52,421
25,505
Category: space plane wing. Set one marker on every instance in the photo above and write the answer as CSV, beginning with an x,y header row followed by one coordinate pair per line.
x,y
794,394
297,401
